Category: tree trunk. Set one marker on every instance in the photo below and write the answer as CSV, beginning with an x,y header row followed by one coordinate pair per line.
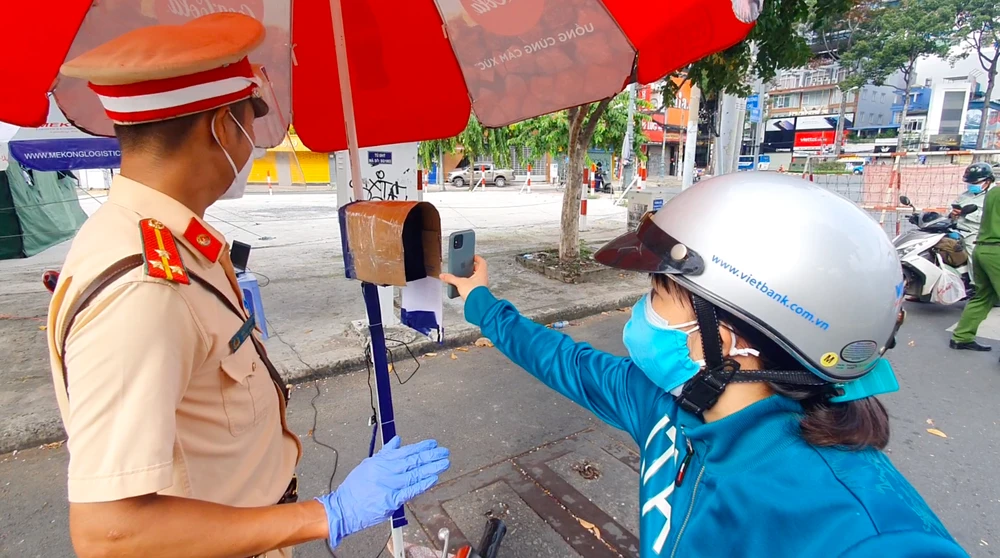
x,y
581,130
569,240
839,137
991,80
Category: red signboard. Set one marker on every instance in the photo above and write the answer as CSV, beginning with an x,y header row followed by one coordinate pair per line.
x,y
815,139
654,128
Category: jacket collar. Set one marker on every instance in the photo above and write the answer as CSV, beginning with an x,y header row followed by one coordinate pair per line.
x,y
192,231
746,437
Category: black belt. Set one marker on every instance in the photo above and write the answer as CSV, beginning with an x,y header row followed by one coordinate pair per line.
x,y
291,494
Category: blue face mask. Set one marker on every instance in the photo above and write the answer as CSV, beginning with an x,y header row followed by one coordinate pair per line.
x,y
659,349
975,189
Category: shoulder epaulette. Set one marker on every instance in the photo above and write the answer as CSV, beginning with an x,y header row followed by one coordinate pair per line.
x,y
163,260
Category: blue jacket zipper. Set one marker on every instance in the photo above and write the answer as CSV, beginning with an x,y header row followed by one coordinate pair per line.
x,y
681,473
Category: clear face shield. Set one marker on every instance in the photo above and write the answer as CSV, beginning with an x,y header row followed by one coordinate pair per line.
x,y
108,19
649,249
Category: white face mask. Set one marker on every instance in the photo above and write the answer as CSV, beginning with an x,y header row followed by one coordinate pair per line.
x,y
239,185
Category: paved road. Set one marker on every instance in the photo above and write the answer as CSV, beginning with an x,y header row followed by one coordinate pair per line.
x,y
494,416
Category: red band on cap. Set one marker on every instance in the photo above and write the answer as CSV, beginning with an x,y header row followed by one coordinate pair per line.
x,y
241,68
182,110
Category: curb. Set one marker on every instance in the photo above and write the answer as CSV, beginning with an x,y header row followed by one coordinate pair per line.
x,y
48,430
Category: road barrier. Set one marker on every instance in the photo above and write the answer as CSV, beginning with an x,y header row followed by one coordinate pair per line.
x,y
932,180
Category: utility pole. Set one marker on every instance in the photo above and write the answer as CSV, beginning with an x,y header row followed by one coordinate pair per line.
x,y
440,172
737,141
757,138
628,158
663,144
723,157
691,141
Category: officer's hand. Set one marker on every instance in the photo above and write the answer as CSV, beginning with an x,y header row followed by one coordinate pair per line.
x,y
381,484
465,285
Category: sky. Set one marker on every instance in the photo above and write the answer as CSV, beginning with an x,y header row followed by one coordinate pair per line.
x,y
937,68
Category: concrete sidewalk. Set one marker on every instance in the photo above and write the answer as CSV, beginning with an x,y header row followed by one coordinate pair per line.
x,y
308,303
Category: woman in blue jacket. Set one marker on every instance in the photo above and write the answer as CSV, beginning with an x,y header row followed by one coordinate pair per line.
x,y
762,438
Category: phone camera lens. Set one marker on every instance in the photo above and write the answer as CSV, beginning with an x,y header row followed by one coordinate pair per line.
x,y
459,242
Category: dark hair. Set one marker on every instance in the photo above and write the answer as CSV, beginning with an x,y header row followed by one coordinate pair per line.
x,y
166,137
856,424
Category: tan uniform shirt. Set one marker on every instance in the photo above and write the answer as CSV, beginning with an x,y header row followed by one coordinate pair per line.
x,y
158,402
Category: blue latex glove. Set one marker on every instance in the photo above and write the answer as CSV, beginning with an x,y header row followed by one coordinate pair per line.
x,y
381,484
954,235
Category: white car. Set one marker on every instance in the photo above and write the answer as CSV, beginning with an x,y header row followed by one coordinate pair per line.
x,y
472,175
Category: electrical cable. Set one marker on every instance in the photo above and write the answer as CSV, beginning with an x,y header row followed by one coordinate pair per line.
x,y
392,361
371,401
267,280
384,546
315,420
231,224
312,403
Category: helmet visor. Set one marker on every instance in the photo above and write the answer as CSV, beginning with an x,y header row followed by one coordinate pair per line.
x,y
651,250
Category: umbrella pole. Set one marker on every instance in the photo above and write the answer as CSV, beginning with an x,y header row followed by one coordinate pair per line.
x,y
346,96
370,292
383,395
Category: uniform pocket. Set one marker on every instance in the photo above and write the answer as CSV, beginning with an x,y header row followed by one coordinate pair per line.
x,y
241,389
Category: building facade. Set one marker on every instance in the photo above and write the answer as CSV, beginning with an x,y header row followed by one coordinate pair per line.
x,y
291,163
946,114
803,109
665,129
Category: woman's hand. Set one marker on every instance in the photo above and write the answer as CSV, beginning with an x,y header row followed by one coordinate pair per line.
x,y
465,285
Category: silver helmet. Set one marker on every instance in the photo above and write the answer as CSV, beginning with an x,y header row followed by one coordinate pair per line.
x,y
803,265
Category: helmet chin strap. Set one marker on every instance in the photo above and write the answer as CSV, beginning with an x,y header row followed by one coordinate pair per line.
x,y
703,391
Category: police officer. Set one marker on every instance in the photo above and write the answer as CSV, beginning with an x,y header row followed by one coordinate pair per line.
x,y
978,178
985,259
178,441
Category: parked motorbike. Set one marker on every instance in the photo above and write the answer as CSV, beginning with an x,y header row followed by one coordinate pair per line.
x,y
928,276
489,545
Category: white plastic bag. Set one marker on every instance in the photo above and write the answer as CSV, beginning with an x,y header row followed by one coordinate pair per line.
x,y
948,289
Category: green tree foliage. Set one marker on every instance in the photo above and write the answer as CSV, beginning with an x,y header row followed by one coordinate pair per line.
x,y
896,36
550,133
572,132
476,141
838,35
978,32
567,133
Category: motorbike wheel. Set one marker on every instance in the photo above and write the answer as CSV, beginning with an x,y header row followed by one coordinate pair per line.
x,y
912,288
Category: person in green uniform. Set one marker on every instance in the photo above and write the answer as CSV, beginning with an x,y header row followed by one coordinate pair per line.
x,y
985,269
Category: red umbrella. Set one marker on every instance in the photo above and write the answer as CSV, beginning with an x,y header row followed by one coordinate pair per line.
x,y
416,66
